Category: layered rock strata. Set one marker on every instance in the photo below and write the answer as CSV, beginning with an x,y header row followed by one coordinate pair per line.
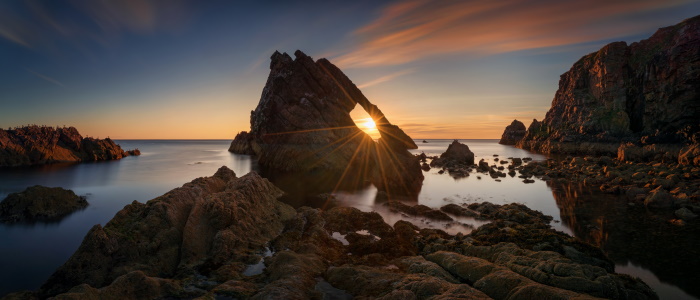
x,y
644,93
302,124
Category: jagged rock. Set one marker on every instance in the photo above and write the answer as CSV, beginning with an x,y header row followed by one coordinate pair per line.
x,y
40,203
417,210
34,145
302,124
241,144
690,155
513,133
645,93
658,198
457,155
211,224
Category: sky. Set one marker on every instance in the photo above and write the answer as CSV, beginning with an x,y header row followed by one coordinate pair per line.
x,y
177,69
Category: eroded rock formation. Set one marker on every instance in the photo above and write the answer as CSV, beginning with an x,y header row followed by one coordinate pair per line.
x,y
513,133
33,145
201,240
40,203
302,124
645,93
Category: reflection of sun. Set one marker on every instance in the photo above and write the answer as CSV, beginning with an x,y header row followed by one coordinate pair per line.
x,y
368,126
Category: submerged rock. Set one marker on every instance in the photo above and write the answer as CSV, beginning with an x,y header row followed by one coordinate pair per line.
x,y
513,133
302,124
40,203
35,145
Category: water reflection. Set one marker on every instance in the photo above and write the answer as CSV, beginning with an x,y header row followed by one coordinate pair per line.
x,y
642,243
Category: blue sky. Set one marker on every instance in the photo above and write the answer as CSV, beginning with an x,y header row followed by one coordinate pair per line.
x,y
195,69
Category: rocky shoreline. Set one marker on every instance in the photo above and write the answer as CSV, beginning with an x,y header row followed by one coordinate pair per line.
x,y
203,239
36,145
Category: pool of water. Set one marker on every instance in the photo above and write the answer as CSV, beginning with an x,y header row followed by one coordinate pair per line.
x,y
33,251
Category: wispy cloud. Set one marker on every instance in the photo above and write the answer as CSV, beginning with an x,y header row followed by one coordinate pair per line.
x,y
33,24
47,78
385,78
410,30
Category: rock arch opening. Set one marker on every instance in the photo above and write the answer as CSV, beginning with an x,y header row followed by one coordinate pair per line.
x,y
365,122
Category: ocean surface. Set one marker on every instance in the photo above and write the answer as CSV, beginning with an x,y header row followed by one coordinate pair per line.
x,y
29,253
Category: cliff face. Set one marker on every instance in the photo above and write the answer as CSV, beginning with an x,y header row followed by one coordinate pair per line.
x,y
33,145
302,124
646,93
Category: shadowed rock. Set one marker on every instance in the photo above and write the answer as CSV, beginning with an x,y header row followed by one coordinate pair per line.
x,y
456,155
40,203
513,133
646,93
302,124
35,145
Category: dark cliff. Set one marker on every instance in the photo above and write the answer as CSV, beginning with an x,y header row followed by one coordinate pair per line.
x,y
33,145
644,93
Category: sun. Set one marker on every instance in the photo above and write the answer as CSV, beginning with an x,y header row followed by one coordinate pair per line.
x,y
369,124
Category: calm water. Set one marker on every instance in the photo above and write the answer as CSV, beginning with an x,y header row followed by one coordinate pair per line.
x,y
33,251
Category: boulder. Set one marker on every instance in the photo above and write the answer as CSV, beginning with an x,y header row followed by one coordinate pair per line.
x,y
659,198
513,133
40,203
302,125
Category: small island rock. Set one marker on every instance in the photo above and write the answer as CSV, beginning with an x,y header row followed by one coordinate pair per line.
x,y
40,203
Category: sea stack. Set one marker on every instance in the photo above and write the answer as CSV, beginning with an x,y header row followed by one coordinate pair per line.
x,y
302,124
513,133
36,145
645,93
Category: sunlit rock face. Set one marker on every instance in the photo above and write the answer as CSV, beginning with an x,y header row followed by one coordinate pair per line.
x,y
303,124
647,93
35,145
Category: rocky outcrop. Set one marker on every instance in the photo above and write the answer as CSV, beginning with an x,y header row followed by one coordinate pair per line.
x,y
513,133
302,124
34,145
457,154
40,203
203,240
645,93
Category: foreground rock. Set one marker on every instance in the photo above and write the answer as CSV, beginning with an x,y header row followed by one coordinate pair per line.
x,y
40,203
645,93
203,240
302,124
34,145
513,133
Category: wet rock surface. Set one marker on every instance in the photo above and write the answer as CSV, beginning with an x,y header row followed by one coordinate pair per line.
x,y
644,93
35,145
197,240
40,203
302,125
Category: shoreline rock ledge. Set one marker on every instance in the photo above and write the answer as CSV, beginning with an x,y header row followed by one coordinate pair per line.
x,y
302,124
642,97
37,145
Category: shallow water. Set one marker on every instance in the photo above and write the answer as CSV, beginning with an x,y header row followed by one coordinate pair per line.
x,y
34,251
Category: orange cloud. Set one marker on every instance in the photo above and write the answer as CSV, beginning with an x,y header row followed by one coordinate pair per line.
x,y
384,78
412,30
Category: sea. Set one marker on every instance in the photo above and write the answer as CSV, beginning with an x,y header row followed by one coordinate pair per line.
x,y
31,252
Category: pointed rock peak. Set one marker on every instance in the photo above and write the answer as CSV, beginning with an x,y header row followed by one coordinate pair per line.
x,y
278,58
298,54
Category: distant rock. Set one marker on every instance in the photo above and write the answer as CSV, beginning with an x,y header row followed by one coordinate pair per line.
x,y
40,203
35,145
302,124
425,142
513,133
457,154
645,93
